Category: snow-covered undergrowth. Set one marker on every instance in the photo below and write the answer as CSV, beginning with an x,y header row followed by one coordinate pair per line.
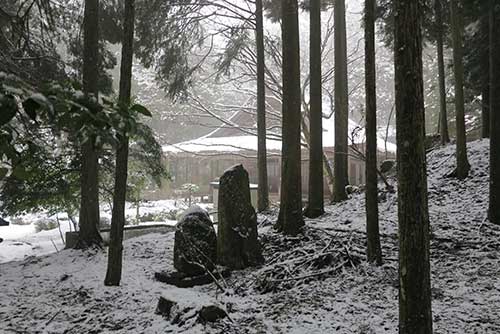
x,y
64,292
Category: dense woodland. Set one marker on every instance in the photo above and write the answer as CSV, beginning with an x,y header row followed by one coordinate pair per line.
x,y
86,87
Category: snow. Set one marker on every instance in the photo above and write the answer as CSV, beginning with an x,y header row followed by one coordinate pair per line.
x,y
13,232
64,292
22,241
221,144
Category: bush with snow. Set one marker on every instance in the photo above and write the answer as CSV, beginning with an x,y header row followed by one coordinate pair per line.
x,y
45,224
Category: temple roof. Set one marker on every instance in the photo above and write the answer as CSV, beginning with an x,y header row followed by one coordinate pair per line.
x,y
238,134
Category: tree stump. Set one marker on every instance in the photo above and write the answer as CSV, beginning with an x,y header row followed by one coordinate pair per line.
x,y
237,243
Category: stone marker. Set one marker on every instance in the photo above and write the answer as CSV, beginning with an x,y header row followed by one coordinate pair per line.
x,y
3,222
237,243
211,313
195,245
164,307
172,311
71,239
182,280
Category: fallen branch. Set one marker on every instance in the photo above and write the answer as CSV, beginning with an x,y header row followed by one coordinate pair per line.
x,y
53,317
53,243
60,231
324,272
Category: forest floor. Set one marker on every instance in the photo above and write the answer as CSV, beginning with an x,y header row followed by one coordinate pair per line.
x,y
316,283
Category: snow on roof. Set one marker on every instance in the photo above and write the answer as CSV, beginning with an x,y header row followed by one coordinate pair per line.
x,y
221,144
248,142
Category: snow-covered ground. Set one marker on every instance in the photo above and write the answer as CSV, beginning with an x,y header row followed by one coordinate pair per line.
x,y
21,241
64,292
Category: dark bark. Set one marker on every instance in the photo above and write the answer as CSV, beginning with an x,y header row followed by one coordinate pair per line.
x,y
89,184
115,251
263,191
315,205
373,250
113,275
327,169
457,25
485,112
485,91
415,316
443,117
290,219
494,206
341,105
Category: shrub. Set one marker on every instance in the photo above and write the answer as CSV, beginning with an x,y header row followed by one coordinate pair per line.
x,y
104,223
160,216
19,221
45,225
148,217
179,215
172,214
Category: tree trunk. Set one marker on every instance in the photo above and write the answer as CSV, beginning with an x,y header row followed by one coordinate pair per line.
x,y
263,190
485,94
443,117
414,269
373,251
457,27
315,206
494,207
326,164
89,184
115,256
341,104
290,219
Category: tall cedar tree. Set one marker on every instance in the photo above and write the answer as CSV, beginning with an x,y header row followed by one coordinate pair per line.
x,y
485,78
373,251
415,316
290,219
457,26
114,273
494,207
263,195
341,104
315,206
443,117
89,205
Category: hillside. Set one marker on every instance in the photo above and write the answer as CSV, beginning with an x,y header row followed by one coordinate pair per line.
x,y
317,283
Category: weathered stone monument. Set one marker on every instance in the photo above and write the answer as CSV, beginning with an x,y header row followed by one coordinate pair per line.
x,y
195,252
237,243
195,246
